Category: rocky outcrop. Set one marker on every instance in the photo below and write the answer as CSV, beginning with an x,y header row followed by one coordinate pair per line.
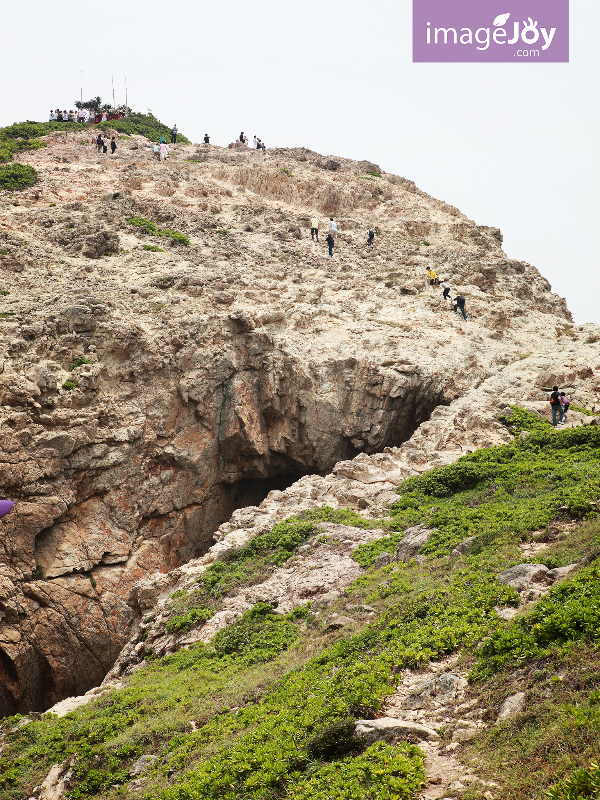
x,y
145,395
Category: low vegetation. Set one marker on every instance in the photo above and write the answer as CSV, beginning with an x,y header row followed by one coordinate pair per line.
x,y
14,177
266,710
153,230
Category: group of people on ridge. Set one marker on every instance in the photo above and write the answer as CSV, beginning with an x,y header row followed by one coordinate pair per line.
x,y
255,144
102,146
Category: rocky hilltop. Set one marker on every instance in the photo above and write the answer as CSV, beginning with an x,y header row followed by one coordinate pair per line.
x,y
176,347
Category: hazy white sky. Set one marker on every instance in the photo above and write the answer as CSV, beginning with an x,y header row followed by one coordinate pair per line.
x,y
512,145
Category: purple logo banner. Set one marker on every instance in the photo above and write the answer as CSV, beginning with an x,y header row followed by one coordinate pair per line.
x,y
491,30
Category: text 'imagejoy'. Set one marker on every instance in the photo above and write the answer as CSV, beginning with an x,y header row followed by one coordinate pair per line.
x,y
491,30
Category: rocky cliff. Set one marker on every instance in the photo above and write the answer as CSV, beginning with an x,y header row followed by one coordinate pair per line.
x,y
175,347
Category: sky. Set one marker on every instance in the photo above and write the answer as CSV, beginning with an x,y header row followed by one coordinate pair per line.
x,y
513,146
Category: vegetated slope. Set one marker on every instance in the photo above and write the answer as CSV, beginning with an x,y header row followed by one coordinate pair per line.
x,y
267,708
177,347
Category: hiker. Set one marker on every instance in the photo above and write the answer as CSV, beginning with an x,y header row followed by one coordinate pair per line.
x,y
206,138
254,144
446,289
459,303
174,134
99,142
433,278
556,406
242,138
314,228
52,117
104,116
162,139
370,237
81,115
157,151
565,404
331,242
164,151
91,119
332,228
113,145
71,116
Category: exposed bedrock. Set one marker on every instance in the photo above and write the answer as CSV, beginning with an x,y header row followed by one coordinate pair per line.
x,y
141,484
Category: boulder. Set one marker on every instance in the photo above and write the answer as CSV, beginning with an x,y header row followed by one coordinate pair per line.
x,y
521,576
412,541
512,706
390,729
463,547
141,765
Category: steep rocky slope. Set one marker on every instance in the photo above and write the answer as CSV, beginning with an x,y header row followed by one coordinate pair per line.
x,y
147,394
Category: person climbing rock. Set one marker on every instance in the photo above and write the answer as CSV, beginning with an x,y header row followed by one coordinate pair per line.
x,y
314,228
113,145
433,278
174,134
206,138
370,237
565,404
99,143
446,287
331,242
557,407
459,303
332,227
157,151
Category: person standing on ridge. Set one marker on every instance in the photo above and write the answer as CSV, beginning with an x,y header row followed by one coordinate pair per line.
x,y
314,228
113,145
99,143
459,303
242,138
445,286
206,138
556,406
331,242
174,134
332,228
370,237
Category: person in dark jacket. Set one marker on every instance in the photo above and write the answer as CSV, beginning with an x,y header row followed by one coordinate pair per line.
x,y
370,237
331,242
113,145
206,138
174,134
459,304
100,143
556,406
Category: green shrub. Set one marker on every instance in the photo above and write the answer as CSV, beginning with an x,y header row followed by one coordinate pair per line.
x,y
79,361
14,177
583,784
153,248
382,772
142,125
185,622
153,230
69,385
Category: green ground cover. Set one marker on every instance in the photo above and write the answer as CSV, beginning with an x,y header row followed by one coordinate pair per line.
x,y
271,693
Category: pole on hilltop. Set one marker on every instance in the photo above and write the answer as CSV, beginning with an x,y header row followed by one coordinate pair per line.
x,y
126,96
81,90
112,78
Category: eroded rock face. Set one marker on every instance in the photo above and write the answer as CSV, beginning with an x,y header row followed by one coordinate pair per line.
x,y
146,395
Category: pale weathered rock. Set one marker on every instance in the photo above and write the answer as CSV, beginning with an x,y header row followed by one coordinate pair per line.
x,y
389,729
57,782
141,765
463,547
412,541
511,706
125,467
521,576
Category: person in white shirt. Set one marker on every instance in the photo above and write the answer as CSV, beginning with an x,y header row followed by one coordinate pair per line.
x,y
81,115
52,116
254,142
164,150
446,288
332,227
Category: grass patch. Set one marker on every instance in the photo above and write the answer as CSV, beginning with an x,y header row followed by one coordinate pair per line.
x,y
79,361
153,248
69,385
286,171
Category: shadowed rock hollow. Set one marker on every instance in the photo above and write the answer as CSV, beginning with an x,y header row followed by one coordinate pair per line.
x,y
147,394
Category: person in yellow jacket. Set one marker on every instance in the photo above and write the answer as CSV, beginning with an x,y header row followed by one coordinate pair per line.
x,y
433,278
314,228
